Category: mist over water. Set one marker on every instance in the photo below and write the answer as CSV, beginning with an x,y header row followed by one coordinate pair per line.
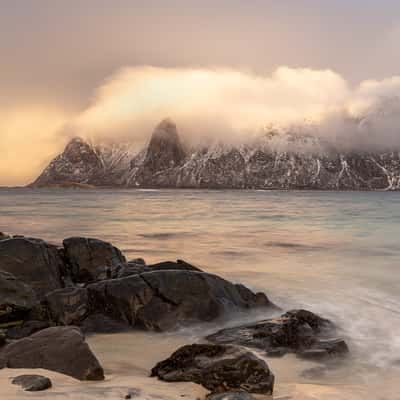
x,y
336,254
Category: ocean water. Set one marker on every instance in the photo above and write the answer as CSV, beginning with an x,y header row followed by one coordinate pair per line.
x,y
335,253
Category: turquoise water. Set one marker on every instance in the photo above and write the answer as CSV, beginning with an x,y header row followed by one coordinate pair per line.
x,y
335,253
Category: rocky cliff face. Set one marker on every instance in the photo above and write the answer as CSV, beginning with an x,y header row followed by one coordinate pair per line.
x,y
165,162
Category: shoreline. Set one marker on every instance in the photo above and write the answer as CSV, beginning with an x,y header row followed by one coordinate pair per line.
x,y
127,369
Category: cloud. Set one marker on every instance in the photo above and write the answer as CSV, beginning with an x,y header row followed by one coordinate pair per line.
x,y
230,105
207,104
221,103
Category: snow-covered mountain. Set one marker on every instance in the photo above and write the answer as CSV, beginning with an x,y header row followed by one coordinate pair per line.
x,y
273,161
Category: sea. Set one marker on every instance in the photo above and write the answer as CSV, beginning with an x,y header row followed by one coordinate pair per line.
x,y
334,253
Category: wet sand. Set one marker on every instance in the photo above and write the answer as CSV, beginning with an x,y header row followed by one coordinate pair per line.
x,y
128,358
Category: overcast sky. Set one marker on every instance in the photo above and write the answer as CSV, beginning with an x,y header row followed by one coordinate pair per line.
x,y
61,50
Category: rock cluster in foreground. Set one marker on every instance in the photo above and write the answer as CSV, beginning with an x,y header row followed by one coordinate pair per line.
x,y
297,331
218,368
50,295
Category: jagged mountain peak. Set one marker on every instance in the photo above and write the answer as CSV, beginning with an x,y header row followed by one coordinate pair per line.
x,y
165,149
166,129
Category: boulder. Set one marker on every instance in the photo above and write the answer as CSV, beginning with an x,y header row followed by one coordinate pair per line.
x,y
16,300
59,349
26,329
32,261
32,383
68,306
4,236
138,266
297,331
163,299
218,368
86,255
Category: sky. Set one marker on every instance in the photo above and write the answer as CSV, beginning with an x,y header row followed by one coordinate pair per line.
x,y
59,58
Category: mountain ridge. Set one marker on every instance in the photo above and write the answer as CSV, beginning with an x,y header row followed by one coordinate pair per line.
x,y
167,163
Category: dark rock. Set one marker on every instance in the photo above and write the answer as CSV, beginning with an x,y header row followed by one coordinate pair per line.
x,y
297,331
32,383
218,368
16,300
68,306
60,349
4,236
277,352
333,346
164,152
137,261
231,396
133,393
32,261
26,329
136,268
79,163
85,255
163,299
314,354
3,339
100,323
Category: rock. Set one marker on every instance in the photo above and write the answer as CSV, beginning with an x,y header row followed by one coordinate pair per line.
x,y
231,396
164,152
59,349
3,339
138,267
133,393
100,323
297,331
85,255
16,300
26,329
4,236
79,163
314,354
277,352
137,261
164,299
68,306
218,368
32,261
333,346
32,383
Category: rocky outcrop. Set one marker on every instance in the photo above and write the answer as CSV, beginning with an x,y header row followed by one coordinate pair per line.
x,y
32,383
297,331
86,255
298,162
164,299
16,300
4,236
68,306
138,266
164,154
79,163
60,349
89,283
32,261
218,368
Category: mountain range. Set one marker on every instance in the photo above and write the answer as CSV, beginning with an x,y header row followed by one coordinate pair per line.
x,y
166,162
